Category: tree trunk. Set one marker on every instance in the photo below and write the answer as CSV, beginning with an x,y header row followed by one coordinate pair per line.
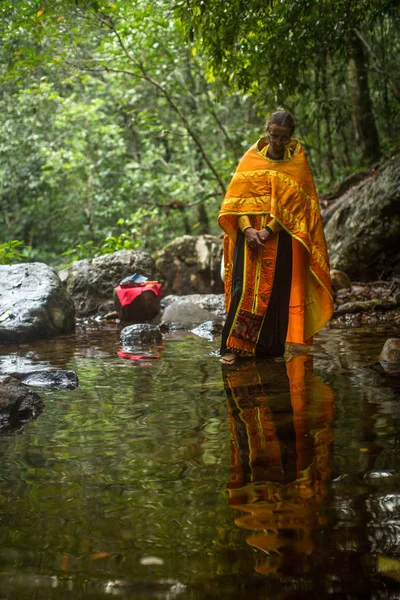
x,y
364,121
327,117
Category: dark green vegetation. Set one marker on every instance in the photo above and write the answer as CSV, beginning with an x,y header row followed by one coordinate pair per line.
x,y
121,123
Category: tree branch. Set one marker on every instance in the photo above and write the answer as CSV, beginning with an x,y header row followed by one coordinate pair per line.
x,y
395,90
147,77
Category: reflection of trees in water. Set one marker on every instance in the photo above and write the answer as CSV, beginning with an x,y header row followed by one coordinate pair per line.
x,y
280,418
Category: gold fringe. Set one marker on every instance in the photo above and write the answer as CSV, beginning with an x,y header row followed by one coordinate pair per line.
x,y
240,347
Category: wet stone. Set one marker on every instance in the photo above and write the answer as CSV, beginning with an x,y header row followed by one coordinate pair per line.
x,y
184,315
18,405
390,355
34,304
209,329
140,333
56,379
30,371
214,303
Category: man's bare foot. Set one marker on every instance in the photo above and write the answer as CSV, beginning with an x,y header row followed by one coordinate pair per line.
x,y
228,359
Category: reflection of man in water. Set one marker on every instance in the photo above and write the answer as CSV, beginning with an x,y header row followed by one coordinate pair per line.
x,y
280,419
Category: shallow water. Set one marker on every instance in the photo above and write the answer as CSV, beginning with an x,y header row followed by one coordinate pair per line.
x,y
169,478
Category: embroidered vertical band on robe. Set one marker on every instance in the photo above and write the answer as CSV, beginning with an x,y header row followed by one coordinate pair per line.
x,y
282,191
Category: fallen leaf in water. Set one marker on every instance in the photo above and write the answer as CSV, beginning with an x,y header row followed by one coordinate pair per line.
x,y
100,555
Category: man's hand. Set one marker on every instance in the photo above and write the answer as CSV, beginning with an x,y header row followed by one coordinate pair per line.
x,y
253,237
263,235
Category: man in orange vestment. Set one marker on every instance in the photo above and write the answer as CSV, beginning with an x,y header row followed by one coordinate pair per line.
x,y
277,282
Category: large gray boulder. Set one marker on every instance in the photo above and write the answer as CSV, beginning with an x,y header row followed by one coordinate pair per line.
x,y
362,227
34,304
91,282
190,265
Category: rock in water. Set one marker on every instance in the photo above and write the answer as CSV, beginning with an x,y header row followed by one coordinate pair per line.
x,y
53,379
17,405
209,329
390,356
141,333
34,304
214,303
184,315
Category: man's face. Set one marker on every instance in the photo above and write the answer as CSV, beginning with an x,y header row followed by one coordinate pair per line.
x,y
278,137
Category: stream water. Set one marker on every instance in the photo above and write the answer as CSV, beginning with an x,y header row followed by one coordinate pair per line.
x,y
173,478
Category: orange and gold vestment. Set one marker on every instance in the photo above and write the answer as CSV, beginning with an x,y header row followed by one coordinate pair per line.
x,y
283,192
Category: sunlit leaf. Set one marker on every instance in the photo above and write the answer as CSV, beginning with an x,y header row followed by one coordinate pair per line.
x,y
100,555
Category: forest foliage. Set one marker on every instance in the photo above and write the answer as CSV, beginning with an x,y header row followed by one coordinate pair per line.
x,y
121,123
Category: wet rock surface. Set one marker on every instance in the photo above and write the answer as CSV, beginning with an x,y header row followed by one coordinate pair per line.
x,y
56,379
18,405
184,315
390,356
209,329
214,303
91,282
140,333
191,264
34,304
362,227
37,373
